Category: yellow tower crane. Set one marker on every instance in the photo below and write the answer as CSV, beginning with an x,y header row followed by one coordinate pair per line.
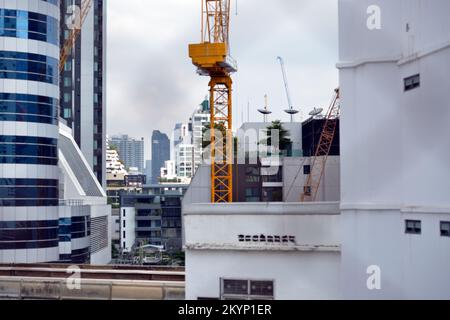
x,y
212,58
74,33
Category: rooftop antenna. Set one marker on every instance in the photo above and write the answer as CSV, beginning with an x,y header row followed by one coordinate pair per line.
x,y
291,111
266,110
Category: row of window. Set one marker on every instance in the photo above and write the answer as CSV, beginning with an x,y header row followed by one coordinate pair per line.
x,y
29,108
28,150
29,192
19,97
28,118
29,160
28,182
21,245
28,140
28,224
28,25
28,234
415,227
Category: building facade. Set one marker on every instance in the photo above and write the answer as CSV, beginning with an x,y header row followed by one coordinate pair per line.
x,y
29,98
83,83
394,124
160,154
131,151
152,217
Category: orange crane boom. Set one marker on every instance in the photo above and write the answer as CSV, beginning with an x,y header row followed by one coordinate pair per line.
x,y
212,58
320,158
74,34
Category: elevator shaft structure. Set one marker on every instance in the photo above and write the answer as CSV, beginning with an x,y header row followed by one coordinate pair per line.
x,y
212,58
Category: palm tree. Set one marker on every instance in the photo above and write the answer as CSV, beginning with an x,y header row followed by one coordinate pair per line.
x,y
285,143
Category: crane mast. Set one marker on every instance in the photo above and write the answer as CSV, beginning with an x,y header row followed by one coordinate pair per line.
x,y
212,58
319,161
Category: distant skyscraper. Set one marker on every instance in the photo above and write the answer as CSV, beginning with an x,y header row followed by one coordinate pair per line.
x,y
29,93
148,170
160,153
83,85
131,151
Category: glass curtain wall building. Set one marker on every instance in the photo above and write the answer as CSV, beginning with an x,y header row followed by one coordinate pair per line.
x,y
29,93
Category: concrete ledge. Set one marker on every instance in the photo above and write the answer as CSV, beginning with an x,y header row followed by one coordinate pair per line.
x,y
272,209
270,248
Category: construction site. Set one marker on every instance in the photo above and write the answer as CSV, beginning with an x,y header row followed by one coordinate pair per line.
x,y
349,202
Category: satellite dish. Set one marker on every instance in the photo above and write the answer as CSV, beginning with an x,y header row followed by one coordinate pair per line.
x,y
316,112
291,111
264,111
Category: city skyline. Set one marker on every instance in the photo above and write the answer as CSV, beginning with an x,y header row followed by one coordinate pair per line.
x,y
159,86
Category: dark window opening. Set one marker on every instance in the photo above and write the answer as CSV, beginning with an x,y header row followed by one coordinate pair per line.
x,y
413,227
412,82
445,229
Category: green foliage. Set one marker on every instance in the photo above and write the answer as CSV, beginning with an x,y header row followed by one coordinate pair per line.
x,y
285,142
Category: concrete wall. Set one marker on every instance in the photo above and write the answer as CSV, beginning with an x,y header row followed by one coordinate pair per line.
x,y
308,268
393,147
294,179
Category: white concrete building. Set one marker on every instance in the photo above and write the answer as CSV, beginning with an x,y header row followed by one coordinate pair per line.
x,y
84,216
394,132
390,237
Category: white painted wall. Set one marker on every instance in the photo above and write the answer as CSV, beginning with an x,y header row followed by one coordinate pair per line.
x,y
394,148
296,275
308,269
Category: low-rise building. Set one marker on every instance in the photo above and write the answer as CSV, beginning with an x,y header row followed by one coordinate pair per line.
x,y
152,217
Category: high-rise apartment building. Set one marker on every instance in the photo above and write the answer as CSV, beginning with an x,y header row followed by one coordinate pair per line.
x,y
131,151
29,93
83,84
160,153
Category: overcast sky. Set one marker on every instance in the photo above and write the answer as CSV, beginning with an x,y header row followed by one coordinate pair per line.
x,y
151,84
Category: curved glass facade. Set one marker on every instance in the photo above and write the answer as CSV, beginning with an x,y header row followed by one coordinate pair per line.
x,y
28,25
29,222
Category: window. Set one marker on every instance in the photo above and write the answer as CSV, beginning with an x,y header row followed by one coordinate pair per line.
x,y
124,223
247,289
413,227
124,234
124,213
307,191
307,169
412,82
445,229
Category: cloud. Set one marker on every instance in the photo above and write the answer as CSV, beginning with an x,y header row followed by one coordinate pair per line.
x,y
152,84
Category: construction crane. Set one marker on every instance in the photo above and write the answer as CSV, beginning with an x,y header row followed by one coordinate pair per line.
x,y
74,33
291,111
320,158
212,58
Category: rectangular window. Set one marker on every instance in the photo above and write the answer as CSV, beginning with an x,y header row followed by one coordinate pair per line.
x,y
124,235
413,227
247,290
124,223
67,82
307,169
412,82
124,245
124,213
445,229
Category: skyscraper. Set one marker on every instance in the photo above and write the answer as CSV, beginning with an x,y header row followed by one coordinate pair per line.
x,y
160,153
131,151
83,84
29,92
